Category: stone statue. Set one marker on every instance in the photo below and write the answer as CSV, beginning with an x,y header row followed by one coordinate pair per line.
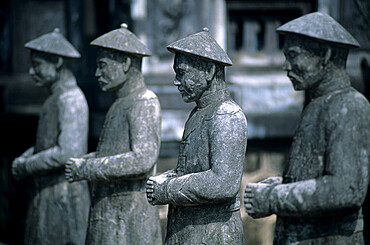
x,y
203,189
58,211
319,198
128,147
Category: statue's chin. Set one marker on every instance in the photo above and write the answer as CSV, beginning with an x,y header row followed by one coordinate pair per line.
x,y
41,83
296,84
186,99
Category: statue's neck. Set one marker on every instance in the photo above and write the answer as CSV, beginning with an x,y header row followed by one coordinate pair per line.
x,y
217,91
132,84
332,81
65,80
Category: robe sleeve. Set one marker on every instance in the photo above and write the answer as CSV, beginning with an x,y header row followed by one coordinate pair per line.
x,y
346,171
227,146
72,138
144,125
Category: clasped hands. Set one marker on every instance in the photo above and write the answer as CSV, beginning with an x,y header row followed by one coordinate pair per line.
x,y
257,197
73,169
156,188
19,168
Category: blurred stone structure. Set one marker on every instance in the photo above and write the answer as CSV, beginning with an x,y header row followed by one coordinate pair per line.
x,y
244,28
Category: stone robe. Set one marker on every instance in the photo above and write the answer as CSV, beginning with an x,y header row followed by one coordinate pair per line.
x,y
127,152
58,211
204,201
327,175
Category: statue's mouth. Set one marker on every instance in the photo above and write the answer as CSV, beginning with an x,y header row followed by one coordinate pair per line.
x,y
102,82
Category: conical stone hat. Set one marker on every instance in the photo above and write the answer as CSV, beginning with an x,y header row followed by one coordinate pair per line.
x,y
53,43
201,45
122,40
322,27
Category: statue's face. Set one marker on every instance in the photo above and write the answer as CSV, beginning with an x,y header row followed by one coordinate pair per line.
x,y
110,73
190,77
304,68
43,71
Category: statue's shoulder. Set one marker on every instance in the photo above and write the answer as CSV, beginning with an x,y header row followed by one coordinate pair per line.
x,y
145,98
72,101
147,94
72,96
146,102
350,99
348,106
226,108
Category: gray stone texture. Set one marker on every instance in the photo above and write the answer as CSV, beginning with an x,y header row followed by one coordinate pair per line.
x,y
318,200
203,46
323,28
122,39
202,191
58,210
53,43
127,151
204,201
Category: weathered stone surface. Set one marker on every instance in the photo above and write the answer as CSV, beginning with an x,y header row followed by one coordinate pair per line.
x,y
203,189
127,151
321,27
201,45
53,43
58,210
318,200
122,40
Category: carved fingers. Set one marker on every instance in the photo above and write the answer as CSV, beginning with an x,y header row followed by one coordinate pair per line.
x,y
156,189
150,188
149,191
72,169
256,200
19,168
248,199
69,170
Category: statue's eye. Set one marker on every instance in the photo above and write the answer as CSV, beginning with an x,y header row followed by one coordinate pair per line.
x,y
101,65
180,72
35,63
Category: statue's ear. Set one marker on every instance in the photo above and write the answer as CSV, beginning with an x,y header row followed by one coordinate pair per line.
x,y
211,71
127,64
59,64
327,55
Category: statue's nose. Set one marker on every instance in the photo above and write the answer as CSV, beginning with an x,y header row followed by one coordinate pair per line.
x,y
287,66
31,71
